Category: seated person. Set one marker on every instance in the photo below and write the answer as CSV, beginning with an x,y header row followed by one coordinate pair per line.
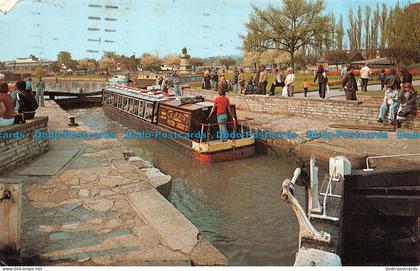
x,y
7,113
391,103
26,103
408,101
250,89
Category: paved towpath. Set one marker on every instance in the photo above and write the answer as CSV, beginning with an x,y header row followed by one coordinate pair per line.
x,y
338,92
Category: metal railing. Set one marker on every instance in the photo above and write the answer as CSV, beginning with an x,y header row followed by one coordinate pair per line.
x,y
234,122
386,156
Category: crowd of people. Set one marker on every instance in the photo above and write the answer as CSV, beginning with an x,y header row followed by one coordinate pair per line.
x,y
399,103
255,85
400,98
19,100
170,81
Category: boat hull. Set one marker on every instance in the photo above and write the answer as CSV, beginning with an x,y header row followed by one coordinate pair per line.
x,y
182,144
230,155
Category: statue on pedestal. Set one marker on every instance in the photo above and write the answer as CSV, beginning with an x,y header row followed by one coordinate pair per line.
x,y
185,65
185,53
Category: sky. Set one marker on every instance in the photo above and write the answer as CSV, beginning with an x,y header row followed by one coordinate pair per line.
x,y
206,27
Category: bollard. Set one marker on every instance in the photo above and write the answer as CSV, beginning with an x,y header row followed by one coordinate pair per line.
x,y
10,213
72,121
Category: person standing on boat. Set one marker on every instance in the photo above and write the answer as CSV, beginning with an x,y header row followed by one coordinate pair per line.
x,y
222,105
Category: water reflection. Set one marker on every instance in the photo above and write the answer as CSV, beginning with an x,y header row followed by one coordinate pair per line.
x,y
236,205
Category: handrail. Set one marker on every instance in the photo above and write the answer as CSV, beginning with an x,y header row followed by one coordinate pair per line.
x,y
387,156
234,122
217,124
226,122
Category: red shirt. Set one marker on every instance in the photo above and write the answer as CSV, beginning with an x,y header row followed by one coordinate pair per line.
x,y
222,103
8,102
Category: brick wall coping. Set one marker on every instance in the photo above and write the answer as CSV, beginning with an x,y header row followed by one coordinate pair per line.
x,y
21,127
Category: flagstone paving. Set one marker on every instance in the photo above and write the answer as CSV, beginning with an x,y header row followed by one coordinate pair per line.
x,y
78,207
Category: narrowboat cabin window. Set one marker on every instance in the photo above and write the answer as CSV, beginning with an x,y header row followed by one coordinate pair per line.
x,y
119,104
130,105
149,112
114,100
134,108
141,109
124,103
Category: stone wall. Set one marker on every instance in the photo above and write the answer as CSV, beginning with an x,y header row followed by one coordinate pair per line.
x,y
18,146
364,111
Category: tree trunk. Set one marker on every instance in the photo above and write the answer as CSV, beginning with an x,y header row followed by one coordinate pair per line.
x,y
292,60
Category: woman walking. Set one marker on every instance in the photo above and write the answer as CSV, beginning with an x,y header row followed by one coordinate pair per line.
x,y
290,82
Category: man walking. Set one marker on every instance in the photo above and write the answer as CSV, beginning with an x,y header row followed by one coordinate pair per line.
x,y
257,80
365,74
39,91
262,84
215,79
350,85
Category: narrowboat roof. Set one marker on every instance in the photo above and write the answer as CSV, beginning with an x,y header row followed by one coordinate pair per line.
x,y
149,95
189,107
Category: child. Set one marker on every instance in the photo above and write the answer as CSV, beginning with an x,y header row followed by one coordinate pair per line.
x,y
305,86
222,104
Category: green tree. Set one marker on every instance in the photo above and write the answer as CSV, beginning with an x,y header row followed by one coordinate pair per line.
x,y
132,63
403,35
65,58
288,27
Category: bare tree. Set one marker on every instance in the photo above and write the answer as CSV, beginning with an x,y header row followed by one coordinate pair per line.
x,y
287,28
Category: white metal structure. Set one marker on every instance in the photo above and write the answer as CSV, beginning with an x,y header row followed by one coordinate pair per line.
x,y
367,169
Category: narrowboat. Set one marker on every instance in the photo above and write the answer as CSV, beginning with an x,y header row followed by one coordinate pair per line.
x,y
181,121
118,80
